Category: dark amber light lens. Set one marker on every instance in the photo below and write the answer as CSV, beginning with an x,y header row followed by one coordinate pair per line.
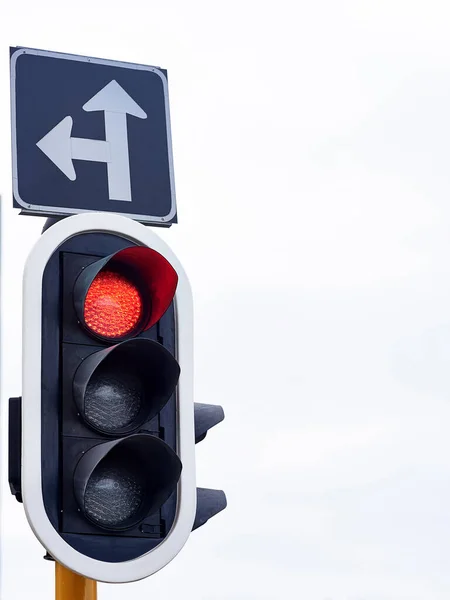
x,y
113,305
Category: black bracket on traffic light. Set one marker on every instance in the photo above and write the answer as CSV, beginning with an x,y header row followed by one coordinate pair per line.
x,y
209,502
14,447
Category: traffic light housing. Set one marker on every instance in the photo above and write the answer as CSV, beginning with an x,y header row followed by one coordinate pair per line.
x,y
108,428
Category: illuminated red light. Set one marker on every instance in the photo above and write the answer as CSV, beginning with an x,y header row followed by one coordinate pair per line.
x,y
113,306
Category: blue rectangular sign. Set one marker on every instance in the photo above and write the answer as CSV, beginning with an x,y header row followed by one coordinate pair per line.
x,y
90,135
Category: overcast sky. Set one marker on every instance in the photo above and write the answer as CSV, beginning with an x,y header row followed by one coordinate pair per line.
x,y
312,166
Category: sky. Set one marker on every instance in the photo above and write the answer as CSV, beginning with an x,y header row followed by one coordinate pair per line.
x,y
312,157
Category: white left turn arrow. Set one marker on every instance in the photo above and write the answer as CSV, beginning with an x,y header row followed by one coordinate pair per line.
x,y
62,149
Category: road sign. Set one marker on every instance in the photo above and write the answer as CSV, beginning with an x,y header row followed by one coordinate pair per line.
x,y
90,135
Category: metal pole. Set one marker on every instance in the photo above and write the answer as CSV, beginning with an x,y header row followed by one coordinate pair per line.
x,y
71,586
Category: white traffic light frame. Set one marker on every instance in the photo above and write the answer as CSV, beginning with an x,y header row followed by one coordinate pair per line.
x,y
58,548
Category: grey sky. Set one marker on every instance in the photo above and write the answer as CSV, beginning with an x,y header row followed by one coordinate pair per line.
x,y
312,154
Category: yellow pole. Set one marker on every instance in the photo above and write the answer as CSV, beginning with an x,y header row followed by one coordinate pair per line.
x,y
71,586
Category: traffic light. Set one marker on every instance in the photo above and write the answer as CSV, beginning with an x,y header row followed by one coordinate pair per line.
x,y
108,422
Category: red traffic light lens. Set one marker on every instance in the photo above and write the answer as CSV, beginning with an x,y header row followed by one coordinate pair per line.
x,y
113,306
125,293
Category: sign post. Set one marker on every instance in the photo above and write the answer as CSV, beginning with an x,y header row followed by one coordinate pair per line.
x,y
71,586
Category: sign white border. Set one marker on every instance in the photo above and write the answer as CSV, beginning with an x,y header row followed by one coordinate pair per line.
x,y
64,211
61,551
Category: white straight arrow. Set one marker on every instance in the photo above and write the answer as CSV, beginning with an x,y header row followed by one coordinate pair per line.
x,y
62,149
114,101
